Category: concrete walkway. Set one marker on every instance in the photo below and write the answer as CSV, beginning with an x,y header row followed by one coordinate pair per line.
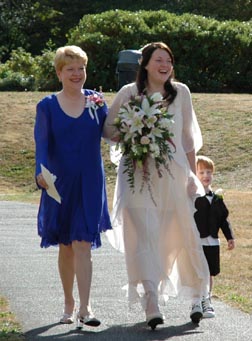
x,y
29,280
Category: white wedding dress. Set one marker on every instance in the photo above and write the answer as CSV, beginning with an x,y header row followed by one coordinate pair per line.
x,y
161,242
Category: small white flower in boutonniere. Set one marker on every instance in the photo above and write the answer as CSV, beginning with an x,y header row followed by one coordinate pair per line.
x,y
144,126
219,193
94,102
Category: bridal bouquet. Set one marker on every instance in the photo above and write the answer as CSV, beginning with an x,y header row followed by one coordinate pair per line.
x,y
144,127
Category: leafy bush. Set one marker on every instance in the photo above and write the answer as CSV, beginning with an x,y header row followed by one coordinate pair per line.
x,y
46,78
103,36
211,56
16,81
17,73
24,72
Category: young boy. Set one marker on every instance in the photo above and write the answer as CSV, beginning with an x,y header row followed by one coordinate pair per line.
x,y
211,215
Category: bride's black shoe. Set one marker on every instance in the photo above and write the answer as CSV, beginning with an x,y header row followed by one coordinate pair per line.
x,y
88,320
153,315
154,319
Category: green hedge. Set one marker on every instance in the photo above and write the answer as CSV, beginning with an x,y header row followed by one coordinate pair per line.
x,y
24,72
211,56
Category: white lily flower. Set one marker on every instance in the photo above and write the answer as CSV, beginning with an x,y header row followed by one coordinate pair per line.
x,y
128,136
137,125
125,128
127,113
156,132
150,110
157,97
150,121
166,123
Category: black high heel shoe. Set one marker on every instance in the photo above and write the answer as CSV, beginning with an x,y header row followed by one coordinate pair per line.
x,y
154,319
153,315
88,320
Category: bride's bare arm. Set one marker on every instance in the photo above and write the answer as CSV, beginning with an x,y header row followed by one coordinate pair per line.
x,y
191,156
123,96
109,130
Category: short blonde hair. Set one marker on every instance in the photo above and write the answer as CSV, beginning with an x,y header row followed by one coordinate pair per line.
x,y
204,161
66,54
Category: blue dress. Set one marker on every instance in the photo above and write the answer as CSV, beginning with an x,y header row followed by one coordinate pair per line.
x,y
70,149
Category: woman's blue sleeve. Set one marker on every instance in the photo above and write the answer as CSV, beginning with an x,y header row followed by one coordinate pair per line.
x,y
41,136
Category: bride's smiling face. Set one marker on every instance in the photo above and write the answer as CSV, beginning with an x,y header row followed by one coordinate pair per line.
x,y
159,67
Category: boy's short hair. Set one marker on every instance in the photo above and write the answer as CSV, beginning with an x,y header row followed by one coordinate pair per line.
x,y
204,161
66,54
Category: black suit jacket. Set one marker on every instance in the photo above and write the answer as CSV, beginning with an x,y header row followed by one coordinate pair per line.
x,y
210,218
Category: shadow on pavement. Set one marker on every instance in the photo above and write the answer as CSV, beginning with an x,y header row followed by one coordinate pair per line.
x,y
137,332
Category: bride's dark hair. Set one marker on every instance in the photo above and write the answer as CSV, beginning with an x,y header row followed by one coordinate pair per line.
x,y
142,75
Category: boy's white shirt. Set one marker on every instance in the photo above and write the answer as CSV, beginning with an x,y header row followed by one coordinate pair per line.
x,y
210,241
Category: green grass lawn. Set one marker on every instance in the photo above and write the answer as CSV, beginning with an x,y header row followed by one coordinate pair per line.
x,y
226,124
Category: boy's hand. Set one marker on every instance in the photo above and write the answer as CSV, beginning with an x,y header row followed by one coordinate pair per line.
x,y
231,244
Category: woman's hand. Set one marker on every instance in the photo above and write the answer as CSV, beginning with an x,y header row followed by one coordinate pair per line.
x,y
115,138
191,187
41,181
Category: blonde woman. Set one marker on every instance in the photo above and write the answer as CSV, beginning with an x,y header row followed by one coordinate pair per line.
x,y
68,131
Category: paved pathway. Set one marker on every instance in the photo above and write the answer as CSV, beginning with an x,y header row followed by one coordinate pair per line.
x,y
29,279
